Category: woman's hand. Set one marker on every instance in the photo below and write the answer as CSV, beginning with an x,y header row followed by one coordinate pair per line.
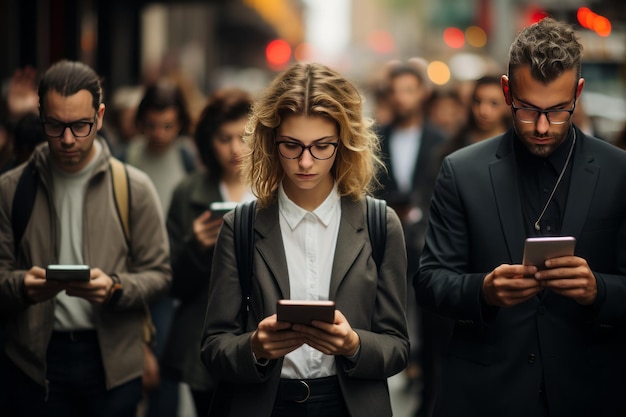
x,y
335,338
273,339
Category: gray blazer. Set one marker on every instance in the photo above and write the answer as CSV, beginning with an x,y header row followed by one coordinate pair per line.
x,y
374,306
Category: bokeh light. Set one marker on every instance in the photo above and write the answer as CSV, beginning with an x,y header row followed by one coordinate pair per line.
x,y
438,72
381,41
278,53
476,36
454,37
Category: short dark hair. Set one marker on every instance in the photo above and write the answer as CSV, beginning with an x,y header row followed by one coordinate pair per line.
x,y
401,69
227,105
161,96
549,47
68,78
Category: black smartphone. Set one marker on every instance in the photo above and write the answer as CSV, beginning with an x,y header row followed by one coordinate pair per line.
x,y
68,273
220,208
539,249
305,311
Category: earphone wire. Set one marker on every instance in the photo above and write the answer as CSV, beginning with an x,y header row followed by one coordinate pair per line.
x,y
558,181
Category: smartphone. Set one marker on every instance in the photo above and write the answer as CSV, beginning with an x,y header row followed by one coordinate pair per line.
x,y
538,249
305,311
220,208
68,273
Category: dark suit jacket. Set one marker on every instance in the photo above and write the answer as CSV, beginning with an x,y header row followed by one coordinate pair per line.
x,y
191,269
498,357
373,305
426,166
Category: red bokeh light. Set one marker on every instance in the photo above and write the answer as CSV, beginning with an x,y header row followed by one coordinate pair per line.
x,y
593,21
454,37
278,53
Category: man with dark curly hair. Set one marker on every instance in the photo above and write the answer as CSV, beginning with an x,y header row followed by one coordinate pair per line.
x,y
531,340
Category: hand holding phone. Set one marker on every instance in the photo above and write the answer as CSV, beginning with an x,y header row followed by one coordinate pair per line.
x,y
539,249
220,208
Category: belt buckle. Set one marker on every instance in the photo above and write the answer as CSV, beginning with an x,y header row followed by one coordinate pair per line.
x,y
308,393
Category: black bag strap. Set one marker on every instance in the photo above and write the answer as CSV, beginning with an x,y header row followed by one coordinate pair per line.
x,y
245,214
23,202
377,227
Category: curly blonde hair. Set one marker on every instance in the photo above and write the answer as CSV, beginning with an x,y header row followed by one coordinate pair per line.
x,y
311,90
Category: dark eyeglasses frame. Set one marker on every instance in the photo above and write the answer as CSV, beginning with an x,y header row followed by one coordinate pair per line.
x,y
66,125
308,147
544,112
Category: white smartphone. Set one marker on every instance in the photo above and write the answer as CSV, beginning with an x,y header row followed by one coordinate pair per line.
x,y
539,249
220,208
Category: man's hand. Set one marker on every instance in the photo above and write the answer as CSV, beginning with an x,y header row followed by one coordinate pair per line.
x,y
571,277
335,338
96,290
273,339
205,230
37,289
507,285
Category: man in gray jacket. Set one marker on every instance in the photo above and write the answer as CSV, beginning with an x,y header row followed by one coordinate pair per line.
x,y
76,348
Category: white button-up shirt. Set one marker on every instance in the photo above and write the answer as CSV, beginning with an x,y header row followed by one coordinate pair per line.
x,y
404,145
310,239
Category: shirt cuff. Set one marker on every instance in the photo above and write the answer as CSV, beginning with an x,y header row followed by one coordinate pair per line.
x,y
260,362
354,358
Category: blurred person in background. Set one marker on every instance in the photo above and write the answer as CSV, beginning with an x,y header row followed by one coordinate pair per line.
x,y
410,148
446,111
123,113
7,154
165,155
193,231
21,100
488,114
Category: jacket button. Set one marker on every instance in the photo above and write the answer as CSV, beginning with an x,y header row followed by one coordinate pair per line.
x,y
532,358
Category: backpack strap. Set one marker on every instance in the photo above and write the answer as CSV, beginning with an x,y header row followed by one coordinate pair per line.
x,y
245,214
377,227
121,193
23,202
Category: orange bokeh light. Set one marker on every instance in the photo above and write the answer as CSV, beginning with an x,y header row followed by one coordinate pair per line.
x,y
593,21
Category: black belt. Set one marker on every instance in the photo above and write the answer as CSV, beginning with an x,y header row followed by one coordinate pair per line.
x,y
76,336
303,390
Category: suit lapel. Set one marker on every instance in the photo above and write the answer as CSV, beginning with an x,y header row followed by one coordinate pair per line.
x,y
582,186
270,246
506,193
350,242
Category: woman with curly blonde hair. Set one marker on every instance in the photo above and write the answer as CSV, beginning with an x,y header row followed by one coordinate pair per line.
x,y
312,159
312,90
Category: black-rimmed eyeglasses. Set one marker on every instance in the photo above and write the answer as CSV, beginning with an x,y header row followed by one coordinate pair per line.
x,y
80,129
294,150
532,114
